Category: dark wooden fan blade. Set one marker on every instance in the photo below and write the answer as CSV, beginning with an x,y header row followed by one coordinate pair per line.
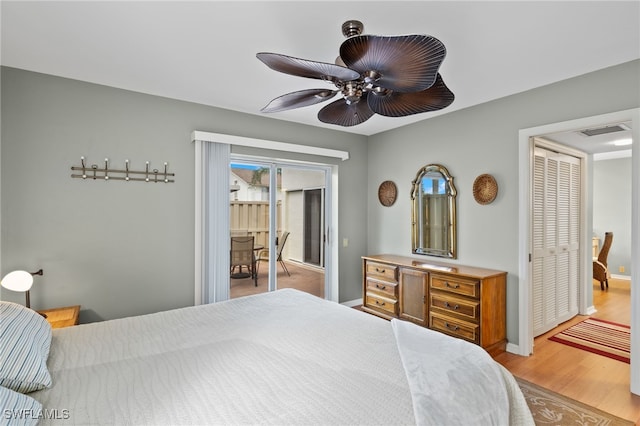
x,y
344,114
398,104
407,63
299,99
306,68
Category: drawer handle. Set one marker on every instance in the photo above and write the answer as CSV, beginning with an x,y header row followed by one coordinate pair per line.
x,y
446,284
381,287
451,327
450,306
381,271
380,303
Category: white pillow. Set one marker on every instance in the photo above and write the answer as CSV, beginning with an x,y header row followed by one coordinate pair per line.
x,y
25,338
18,409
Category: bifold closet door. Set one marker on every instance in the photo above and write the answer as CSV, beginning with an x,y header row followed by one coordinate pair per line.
x,y
555,238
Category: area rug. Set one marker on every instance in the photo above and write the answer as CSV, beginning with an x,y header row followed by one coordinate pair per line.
x,y
551,408
598,336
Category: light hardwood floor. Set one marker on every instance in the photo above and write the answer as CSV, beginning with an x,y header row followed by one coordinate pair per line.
x,y
589,378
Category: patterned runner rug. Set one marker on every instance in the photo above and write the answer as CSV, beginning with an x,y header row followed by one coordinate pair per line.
x,y
551,408
598,336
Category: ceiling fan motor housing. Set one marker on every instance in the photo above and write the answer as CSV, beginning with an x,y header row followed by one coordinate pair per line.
x,y
352,28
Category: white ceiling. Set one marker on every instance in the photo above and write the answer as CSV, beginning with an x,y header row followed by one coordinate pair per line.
x,y
204,52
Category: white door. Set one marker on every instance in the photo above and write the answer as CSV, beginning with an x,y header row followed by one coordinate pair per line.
x,y
556,238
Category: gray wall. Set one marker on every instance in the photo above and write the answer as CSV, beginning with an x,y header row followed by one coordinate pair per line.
x,y
484,139
612,210
125,248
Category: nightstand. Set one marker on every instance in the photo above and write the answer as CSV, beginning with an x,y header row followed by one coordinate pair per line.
x,y
62,317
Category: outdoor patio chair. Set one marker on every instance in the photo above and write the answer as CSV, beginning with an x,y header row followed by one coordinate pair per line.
x,y
242,255
263,256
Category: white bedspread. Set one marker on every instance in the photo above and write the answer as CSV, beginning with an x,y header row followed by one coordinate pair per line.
x,y
279,358
453,380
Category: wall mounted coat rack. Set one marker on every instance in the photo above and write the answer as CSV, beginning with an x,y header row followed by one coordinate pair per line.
x,y
105,173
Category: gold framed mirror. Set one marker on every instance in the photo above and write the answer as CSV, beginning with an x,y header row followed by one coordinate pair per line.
x,y
433,212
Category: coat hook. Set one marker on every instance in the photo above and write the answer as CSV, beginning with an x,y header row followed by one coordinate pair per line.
x,y
84,168
104,171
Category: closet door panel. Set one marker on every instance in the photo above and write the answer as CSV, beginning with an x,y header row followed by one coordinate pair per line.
x,y
563,228
544,243
555,239
538,232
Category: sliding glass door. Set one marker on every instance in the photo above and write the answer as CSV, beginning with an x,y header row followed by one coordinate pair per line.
x,y
279,208
249,222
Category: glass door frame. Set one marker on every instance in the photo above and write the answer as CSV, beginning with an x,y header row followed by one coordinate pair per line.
x,y
273,165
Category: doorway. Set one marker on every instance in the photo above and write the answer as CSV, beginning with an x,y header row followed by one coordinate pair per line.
x,y
525,342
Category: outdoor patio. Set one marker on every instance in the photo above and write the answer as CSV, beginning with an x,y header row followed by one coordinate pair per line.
x,y
305,278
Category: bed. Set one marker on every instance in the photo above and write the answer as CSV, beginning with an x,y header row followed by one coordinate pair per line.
x,y
284,357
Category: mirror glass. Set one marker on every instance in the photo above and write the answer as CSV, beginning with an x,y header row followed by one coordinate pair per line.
x,y
433,221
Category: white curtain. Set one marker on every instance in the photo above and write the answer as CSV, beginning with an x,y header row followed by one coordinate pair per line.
x,y
212,222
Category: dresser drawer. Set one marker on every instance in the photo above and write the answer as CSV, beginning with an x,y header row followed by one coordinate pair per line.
x,y
382,303
454,327
446,304
456,285
383,287
382,271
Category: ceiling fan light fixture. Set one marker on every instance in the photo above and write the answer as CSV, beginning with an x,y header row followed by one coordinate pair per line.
x,y
400,73
371,76
381,91
352,93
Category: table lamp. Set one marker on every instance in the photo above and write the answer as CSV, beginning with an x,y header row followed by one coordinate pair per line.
x,y
20,281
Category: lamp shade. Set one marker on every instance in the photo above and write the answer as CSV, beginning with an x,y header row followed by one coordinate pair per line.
x,y
17,281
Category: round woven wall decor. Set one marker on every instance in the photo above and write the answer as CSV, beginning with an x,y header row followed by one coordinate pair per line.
x,y
387,193
485,189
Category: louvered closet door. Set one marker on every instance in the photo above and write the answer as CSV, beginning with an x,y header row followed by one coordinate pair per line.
x,y
556,238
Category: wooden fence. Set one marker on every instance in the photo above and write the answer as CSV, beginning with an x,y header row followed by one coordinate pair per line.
x,y
253,217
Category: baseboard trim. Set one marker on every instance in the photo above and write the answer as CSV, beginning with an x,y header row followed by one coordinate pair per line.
x,y
621,277
352,303
512,348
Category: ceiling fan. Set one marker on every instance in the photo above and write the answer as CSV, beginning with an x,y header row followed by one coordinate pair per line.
x,y
394,76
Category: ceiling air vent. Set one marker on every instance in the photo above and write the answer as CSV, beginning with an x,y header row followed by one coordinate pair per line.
x,y
604,130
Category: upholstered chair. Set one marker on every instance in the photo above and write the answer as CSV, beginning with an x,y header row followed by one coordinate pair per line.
x,y
600,269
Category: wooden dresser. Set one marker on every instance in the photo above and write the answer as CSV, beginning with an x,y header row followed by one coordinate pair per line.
x,y
462,301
